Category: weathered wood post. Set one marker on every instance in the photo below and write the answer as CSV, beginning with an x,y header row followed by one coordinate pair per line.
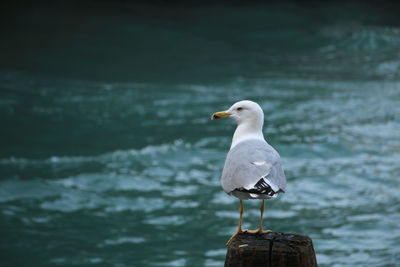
x,y
271,249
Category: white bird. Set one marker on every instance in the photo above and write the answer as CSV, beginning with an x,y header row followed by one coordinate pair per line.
x,y
252,167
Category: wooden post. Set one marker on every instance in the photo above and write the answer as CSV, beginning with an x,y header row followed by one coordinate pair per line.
x,y
272,249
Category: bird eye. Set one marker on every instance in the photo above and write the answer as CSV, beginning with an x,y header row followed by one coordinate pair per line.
x,y
239,109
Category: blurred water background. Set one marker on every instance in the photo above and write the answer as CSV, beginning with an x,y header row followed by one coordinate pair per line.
x,y
108,156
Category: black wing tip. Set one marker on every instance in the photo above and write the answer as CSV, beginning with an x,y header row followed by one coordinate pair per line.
x,y
259,191
261,188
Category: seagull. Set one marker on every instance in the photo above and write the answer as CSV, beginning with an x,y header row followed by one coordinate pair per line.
x,y
253,168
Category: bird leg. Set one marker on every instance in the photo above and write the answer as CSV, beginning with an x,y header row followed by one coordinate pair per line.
x,y
260,227
262,207
239,230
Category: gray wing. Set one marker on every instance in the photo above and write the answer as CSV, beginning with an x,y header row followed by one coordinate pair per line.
x,y
253,166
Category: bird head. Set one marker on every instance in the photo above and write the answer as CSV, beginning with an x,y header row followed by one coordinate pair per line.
x,y
244,111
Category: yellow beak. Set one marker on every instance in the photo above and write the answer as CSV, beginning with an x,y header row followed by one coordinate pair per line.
x,y
220,115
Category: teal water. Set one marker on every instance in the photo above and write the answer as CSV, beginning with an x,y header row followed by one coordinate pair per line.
x,y
108,156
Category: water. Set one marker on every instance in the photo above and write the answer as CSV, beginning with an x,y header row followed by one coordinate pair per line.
x,y
108,156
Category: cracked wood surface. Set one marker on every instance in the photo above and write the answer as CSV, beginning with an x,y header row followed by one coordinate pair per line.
x,y
271,249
